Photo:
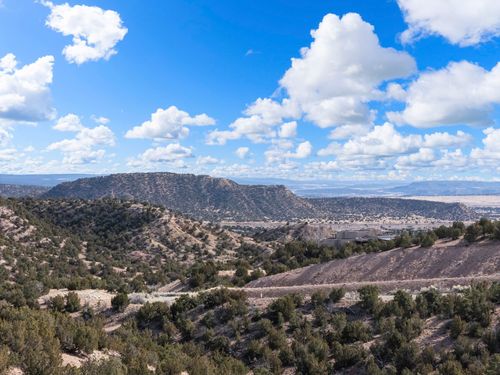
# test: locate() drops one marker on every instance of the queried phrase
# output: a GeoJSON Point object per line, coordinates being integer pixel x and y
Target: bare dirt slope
{"type": "Point", "coordinates": [454, 260]}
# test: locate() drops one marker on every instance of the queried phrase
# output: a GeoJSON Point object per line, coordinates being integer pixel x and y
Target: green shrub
{"type": "Point", "coordinates": [356, 331]}
{"type": "Point", "coordinates": [405, 304]}
{"type": "Point", "coordinates": [72, 302]}
{"type": "Point", "coordinates": [57, 303]}
{"type": "Point", "coordinates": [473, 232]}
{"type": "Point", "coordinates": [457, 327]}
{"type": "Point", "coordinates": [406, 357]}
{"type": "Point", "coordinates": [369, 296]}
{"type": "Point", "coordinates": [153, 315]}
{"type": "Point", "coordinates": [494, 365]}
{"type": "Point", "coordinates": [111, 366]}
{"type": "Point", "coordinates": [451, 367]}
{"type": "Point", "coordinates": [5, 360]}
{"type": "Point", "coordinates": [284, 307]}
{"type": "Point", "coordinates": [427, 241]}
{"type": "Point", "coordinates": [86, 339]}
{"type": "Point", "coordinates": [347, 355]}
{"type": "Point", "coordinates": [220, 344]}
{"type": "Point", "coordinates": [319, 298]}
{"type": "Point", "coordinates": [336, 294]}
{"type": "Point", "coordinates": [120, 302]}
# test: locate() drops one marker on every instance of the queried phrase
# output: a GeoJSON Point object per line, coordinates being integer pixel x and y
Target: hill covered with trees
{"type": "Point", "coordinates": [106, 244]}
{"type": "Point", "coordinates": [218, 199]}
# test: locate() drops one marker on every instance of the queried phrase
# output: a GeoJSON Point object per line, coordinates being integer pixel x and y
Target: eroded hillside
{"type": "Point", "coordinates": [446, 260]}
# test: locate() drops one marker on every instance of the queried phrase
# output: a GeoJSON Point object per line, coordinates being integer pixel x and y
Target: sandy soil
{"type": "Point", "coordinates": [79, 360]}
{"type": "Point", "coordinates": [95, 298]}
{"type": "Point", "coordinates": [434, 334]}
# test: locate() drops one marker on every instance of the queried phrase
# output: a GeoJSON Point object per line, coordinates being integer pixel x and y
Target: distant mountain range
{"type": "Point", "coordinates": [306, 188]}
{"type": "Point", "coordinates": [220, 199]}
{"type": "Point", "coordinates": [18, 191]}
{"type": "Point", "coordinates": [382, 188]}
{"type": "Point", "coordinates": [39, 179]}
{"type": "Point", "coordinates": [430, 188]}
{"type": "Point", "coordinates": [328, 188]}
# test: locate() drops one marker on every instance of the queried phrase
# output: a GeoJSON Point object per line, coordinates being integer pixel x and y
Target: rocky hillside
{"type": "Point", "coordinates": [218, 199]}
{"type": "Point", "coordinates": [109, 243]}
{"type": "Point", "coordinates": [18, 191]}
{"type": "Point", "coordinates": [306, 232]}
{"type": "Point", "coordinates": [120, 228]}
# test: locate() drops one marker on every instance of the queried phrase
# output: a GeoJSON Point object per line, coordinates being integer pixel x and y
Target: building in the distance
{"type": "Point", "coordinates": [358, 236]}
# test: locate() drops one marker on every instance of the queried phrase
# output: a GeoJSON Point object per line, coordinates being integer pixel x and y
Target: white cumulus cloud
{"type": "Point", "coordinates": [437, 140]}
{"type": "Point", "coordinates": [288, 130]}
{"type": "Point", "coordinates": [172, 154]}
{"type": "Point", "coordinates": [101, 120]}
{"type": "Point", "coordinates": [282, 150]}
{"type": "Point", "coordinates": [8, 154]}
{"type": "Point", "coordinates": [490, 153]}
{"type": "Point", "coordinates": [385, 148]}
{"type": "Point", "coordinates": [422, 158]}
{"type": "Point", "coordinates": [170, 123]}
{"type": "Point", "coordinates": [69, 123]}
{"type": "Point", "coordinates": [24, 91]}
{"type": "Point", "coordinates": [5, 136]}
{"type": "Point", "coordinates": [383, 140]}
{"type": "Point", "coordinates": [95, 31]}
{"type": "Point", "coordinates": [462, 22]}
{"type": "Point", "coordinates": [348, 131]}
{"type": "Point", "coordinates": [242, 152]}
{"type": "Point", "coordinates": [461, 93]}
{"type": "Point", "coordinates": [331, 83]}
{"type": "Point", "coordinates": [82, 148]}
{"type": "Point", "coordinates": [302, 151]}
{"type": "Point", "coordinates": [341, 70]}
{"type": "Point", "coordinates": [259, 125]}
{"type": "Point", "coordinates": [207, 160]}
{"type": "Point", "coordinates": [452, 160]}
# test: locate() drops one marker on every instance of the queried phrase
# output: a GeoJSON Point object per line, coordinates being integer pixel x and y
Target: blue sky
{"type": "Point", "coordinates": [401, 90]}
